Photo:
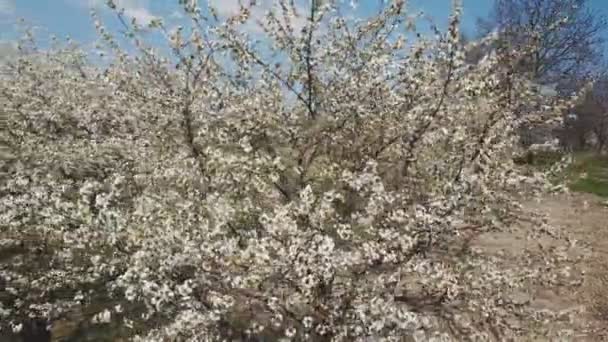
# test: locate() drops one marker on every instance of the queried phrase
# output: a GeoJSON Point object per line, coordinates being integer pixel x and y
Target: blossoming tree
{"type": "Point", "coordinates": [307, 185]}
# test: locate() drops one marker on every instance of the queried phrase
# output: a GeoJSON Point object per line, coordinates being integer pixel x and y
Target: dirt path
{"type": "Point", "coordinates": [580, 295]}
{"type": "Point", "coordinates": [586, 218]}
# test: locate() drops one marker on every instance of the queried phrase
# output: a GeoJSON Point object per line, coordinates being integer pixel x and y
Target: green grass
{"type": "Point", "coordinates": [591, 186]}
{"type": "Point", "coordinates": [589, 173]}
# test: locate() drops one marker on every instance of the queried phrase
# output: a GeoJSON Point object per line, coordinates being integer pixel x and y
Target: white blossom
{"type": "Point", "coordinates": [303, 182]}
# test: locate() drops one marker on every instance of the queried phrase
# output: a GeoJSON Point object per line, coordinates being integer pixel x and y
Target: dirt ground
{"type": "Point", "coordinates": [582, 301]}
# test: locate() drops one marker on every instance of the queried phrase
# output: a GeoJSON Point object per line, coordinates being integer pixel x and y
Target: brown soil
{"type": "Point", "coordinates": [582, 300]}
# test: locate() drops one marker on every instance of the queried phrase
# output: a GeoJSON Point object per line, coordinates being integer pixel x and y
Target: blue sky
{"type": "Point", "coordinates": [71, 17]}
{"type": "Point", "coordinates": [63, 17]}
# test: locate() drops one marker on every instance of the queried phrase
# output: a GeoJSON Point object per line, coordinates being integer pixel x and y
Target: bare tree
{"type": "Point", "coordinates": [566, 34]}
{"type": "Point", "coordinates": [591, 119]}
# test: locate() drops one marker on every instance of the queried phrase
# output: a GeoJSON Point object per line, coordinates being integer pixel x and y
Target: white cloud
{"type": "Point", "coordinates": [138, 9]}
{"type": "Point", "coordinates": [7, 7]}
{"type": "Point", "coordinates": [226, 8]}
{"type": "Point", "coordinates": [141, 14]}
{"type": "Point", "coordinates": [177, 15]}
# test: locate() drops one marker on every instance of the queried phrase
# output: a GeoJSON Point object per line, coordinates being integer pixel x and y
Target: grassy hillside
{"type": "Point", "coordinates": [589, 173]}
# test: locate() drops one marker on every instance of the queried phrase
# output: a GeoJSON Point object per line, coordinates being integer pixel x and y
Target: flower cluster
{"type": "Point", "coordinates": [306, 187]}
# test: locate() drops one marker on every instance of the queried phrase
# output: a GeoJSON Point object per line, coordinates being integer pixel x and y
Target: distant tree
{"type": "Point", "coordinates": [474, 49]}
{"type": "Point", "coordinates": [590, 121]}
{"type": "Point", "coordinates": [321, 196]}
{"type": "Point", "coordinates": [566, 35]}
